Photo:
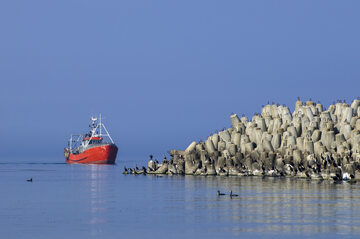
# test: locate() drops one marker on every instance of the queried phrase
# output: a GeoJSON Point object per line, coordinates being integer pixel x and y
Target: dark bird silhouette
{"type": "Point", "coordinates": [219, 193]}
{"type": "Point", "coordinates": [29, 180]}
{"type": "Point", "coordinates": [337, 177]}
{"type": "Point", "coordinates": [125, 170]}
{"type": "Point", "coordinates": [232, 194]}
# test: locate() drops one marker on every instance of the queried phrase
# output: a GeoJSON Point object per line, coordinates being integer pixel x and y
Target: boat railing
{"type": "Point", "coordinates": [75, 141]}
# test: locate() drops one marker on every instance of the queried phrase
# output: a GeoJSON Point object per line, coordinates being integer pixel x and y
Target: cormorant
{"type": "Point", "coordinates": [232, 194]}
{"type": "Point", "coordinates": [125, 170]}
{"type": "Point", "coordinates": [219, 193]}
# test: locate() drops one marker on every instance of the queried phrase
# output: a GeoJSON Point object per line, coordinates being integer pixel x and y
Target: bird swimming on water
{"type": "Point", "coordinates": [232, 194]}
{"type": "Point", "coordinates": [219, 193]}
{"type": "Point", "coordinates": [29, 180]}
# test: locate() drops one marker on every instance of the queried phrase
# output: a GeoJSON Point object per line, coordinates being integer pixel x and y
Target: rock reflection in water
{"type": "Point", "coordinates": [279, 205]}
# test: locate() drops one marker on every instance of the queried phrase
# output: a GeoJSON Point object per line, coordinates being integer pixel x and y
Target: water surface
{"type": "Point", "coordinates": [92, 201]}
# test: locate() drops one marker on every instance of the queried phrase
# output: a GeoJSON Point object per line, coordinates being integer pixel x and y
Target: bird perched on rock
{"type": "Point", "coordinates": [336, 174]}
{"type": "Point", "coordinates": [125, 170]}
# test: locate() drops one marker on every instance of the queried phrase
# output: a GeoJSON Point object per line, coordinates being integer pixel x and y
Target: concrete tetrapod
{"type": "Point", "coordinates": [312, 142]}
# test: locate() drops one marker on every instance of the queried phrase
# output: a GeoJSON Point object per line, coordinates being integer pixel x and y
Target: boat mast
{"type": "Point", "coordinates": [70, 143]}
{"type": "Point", "coordinates": [107, 134]}
{"type": "Point", "coordinates": [100, 124]}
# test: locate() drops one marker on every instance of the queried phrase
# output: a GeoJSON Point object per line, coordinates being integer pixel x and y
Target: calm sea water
{"type": "Point", "coordinates": [91, 201]}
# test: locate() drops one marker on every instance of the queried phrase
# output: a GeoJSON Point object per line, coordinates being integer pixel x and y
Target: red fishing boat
{"type": "Point", "coordinates": [92, 148]}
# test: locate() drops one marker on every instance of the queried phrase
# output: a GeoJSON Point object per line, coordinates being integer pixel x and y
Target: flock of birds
{"type": "Point", "coordinates": [135, 170]}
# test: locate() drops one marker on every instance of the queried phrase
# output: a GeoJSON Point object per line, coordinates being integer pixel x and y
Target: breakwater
{"type": "Point", "coordinates": [311, 142]}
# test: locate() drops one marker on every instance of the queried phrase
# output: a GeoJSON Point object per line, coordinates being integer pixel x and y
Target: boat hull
{"type": "Point", "coordinates": [104, 154]}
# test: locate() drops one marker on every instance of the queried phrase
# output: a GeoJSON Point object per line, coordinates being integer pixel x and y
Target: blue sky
{"type": "Point", "coordinates": [164, 73]}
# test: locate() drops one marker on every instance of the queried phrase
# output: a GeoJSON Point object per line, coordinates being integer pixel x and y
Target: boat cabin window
{"type": "Point", "coordinates": [95, 141]}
